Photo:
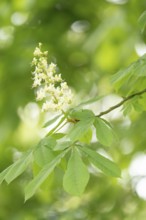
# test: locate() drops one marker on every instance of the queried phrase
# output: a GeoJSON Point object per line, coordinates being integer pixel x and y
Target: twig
{"type": "Point", "coordinates": [121, 103]}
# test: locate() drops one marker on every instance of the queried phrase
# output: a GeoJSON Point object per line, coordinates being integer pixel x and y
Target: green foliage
{"type": "Point", "coordinates": [104, 132]}
{"type": "Point", "coordinates": [130, 79]}
{"type": "Point", "coordinates": [86, 119]}
{"type": "Point", "coordinates": [51, 121]}
{"type": "Point", "coordinates": [43, 174]}
{"type": "Point", "coordinates": [81, 114]}
{"type": "Point", "coordinates": [62, 145]}
{"type": "Point", "coordinates": [54, 146]}
{"type": "Point", "coordinates": [87, 137]}
{"type": "Point", "coordinates": [107, 166]}
{"type": "Point", "coordinates": [89, 44]}
{"type": "Point", "coordinates": [76, 176]}
{"type": "Point", "coordinates": [43, 155]}
{"type": "Point", "coordinates": [133, 104]}
{"type": "Point", "coordinates": [46, 155]}
{"type": "Point", "coordinates": [17, 168]}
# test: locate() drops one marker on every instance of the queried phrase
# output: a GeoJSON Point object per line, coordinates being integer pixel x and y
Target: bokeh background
{"type": "Point", "coordinates": [90, 41]}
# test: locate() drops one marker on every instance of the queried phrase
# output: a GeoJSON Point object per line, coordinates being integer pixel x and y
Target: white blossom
{"type": "Point", "coordinates": [41, 94]}
{"type": "Point", "coordinates": [49, 84]}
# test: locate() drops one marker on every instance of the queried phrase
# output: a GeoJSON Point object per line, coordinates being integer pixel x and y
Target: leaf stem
{"type": "Point", "coordinates": [121, 103]}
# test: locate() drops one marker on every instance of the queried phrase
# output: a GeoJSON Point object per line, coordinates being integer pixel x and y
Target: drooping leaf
{"type": "Point", "coordinates": [18, 167]}
{"type": "Point", "coordinates": [32, 187]}
{"type": "Point", "coordinates": [80, 128]}
{"type": "Point", "coordinates": [76, 176]}
{"type": "Point", "coordinates": [104, 132]}
{"type": "Point", "coordinates": [107, 166]}
{"type": "Point", "coordinates": [51, 121]}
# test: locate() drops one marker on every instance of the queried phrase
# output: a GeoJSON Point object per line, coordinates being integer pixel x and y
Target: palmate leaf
{"type": "Point", "coordinates": [13, 171]}
{"type": "Point", "coordinates": [32, 187]}
{"type": "Point", "coordinates": [107, 166]}
{"type": "Point", "coordinates": [104, 132]}
{"type": "Point", "coordinates": [76, 176]}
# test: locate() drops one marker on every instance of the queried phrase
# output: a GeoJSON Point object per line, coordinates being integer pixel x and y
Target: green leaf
{"type": "Point", "coordinates": [57, 126]}
{"type": "Point", "coordinates": [62, 145]}
{"type": "Point", "coordinates": [80, 128]}
{"type": "Point", "coordinates": [131, 104]}
{"type": "Point", "coordinates": [57, 136]}
{"type": "Point", "coordinates": [32, 187]}
{"type": "Point", "coordinates": [142, 21]}
{"type": "Point", "coordinates": [3, 174]}
{"type": "Point", "coordinates": [104, 132]}
{"type": "Point", "coordinates": [86, 138]}
{"type": "Point", "coordinates": [76, 176]}
{"type": "Point", "coordinates": [51, 121]}
{"type": "Point", "coordinates": [130, 79]}
{"type": "Point", "coordinates": [81, 114]}
{"type": "Point", "coordinates": [107, 166]}
{"type": "Point", "coordinates": [122, 76]}
{"type": "Point", "coordinates": [43, 155]}
{"type": "Point", "coordinates": [48, 141]}
{"type": "Point", "coordinates": [18, 167]}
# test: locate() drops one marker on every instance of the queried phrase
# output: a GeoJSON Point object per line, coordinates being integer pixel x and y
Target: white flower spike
{"type": "Point", "coordinates": [51, 88]}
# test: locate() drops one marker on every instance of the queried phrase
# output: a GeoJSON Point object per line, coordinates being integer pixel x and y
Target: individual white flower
{"type": "Point", "coordinates": [45, 106]}
{"type": "Point", "coordinates": [52, 68]}
{"type": "Point", "coordinates": [37, 52]}
{"type": "Point", "coordinates": [37, 82]}
{"type": "Point", "coordinates": [34, 62]}
{"type": "Point", "coordinates": [57, 78]}
{"type": "Point", "coordinates": [41, 94]}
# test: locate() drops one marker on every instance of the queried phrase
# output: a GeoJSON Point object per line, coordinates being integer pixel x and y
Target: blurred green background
{"type": "Point", "coordinates": [90, 40]}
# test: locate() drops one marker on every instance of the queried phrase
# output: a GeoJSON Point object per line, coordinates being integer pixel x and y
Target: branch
{"type": "Point", "coordinates": [121, 103]}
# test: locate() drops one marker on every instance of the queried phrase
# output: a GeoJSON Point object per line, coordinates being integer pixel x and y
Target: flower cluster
{"type": "Point", "coordinates": [49, 84]}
